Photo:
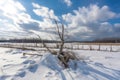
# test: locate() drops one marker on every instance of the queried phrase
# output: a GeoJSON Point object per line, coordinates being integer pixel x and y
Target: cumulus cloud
{"type": "Point", "coordinates": [43, 11]}
{"type": "Point", "coordinates": [19, 22]}
{"type": "Point", "coordinates": [93, 13]}
{"type": "Point", "coordinates": [6, 26]}
{"type": "Point", "coordinates": [14, 18]}
{"type": "Point", "coordinates": [11, 7]}
{"type": "Point", "coordinates": [8, 11]}
{"type": "Point", "coordinates": [117, 27]}
{"type": "Point", "coordinates": [46, 14]}
{"type": "Point", "coordinates": [91, 22]}
{"type": "Point", "coordinates": [68, 2]}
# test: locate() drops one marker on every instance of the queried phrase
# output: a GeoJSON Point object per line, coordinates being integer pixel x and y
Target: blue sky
{"type": "Point", "coordinates": [85, 19]}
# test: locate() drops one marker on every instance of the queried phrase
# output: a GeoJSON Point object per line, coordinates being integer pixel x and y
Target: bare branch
{"type": "Point", "coordinates": [62, 32]}
{"type": "Point", "coordinates": [51, 51]}
{"type": "Point", "coordinates": [58, 31]}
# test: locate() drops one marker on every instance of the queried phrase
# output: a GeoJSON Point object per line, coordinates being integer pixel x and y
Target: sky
{"type": "Point", "coordinates": [83, 19]}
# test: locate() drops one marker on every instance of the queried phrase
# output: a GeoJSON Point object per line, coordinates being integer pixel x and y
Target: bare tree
{"type": "Point", "coordinates": [63, 56]}
{"type": "Point", "coordinates": [61, 36]}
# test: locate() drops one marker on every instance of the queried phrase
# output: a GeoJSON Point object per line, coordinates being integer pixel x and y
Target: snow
{"type": "Point", "coordinates": [93, 65]}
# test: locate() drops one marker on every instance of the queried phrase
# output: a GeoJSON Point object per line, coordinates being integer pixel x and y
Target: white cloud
{"type": "Point", "coordinates": [105, 27]}
{"type": "Point", "coordinates": [14, 18]}
{"type": "Point", "coordinates": [36, 5]}
{"type": "Point", "coordinates": [6, 26]}
{"type": "Point", "coordinates": [117, 28]}
{"type": "Point", "coordinates": [11, 7]}
{"type": "Point", "coordinates": [93, 13]}
{"type": "Point", "coordinates": [90, 21]}
{"type": "Point", "coordinates": [43, 11]}
{"type": "Point", "coordinates": [8, 11]}
{"type": "Point", "coordinates": [46, 14]}
{"type": "Point", "coordinates": [117, 25]}
{"type": "Point", "coordinates": [68, 2]}
{"type": "Point", "coordinates": [15, 13]}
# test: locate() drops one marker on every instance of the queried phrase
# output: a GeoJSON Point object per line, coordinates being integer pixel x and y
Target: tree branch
{"type": "Point", "coordinates": [51, 51]}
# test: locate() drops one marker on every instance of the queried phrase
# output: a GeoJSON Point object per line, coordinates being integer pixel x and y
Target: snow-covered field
{"type": "Point", "coordinates": [94, 65]}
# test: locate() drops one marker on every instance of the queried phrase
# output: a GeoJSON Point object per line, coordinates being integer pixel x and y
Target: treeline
{"type": "Point", "coordinates": [27, 41]}
{"type": "Point", "coordinates": [36, 40]}
{"type": "Point", "coordinates": [107, 40]}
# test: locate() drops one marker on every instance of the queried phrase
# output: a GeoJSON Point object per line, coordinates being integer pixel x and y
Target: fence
{"type": "Point", "coordinates": [73, 46]}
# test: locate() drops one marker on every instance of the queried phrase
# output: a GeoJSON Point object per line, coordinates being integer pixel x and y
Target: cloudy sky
{"type": "Point", "coordinates": [83, 19]}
